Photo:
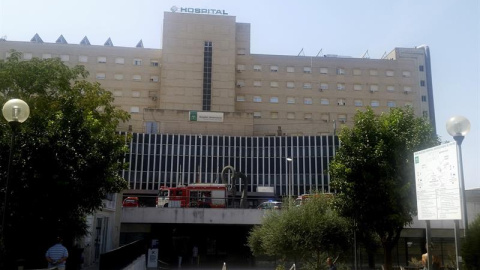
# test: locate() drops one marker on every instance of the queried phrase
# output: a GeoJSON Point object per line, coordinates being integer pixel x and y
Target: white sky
{"type": "Point", "coordinates": [345, 27]}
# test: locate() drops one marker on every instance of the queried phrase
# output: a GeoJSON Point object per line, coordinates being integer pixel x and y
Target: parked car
{"type": "Point", "coordinates": [270, 205]}
{"type": "Point", "coordinates": [130, 202]}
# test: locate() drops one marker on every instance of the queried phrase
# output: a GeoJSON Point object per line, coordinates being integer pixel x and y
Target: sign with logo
{"type": "Point", "coordinates": [206, 116]}
{"type": "Point", "coordinates": [198, 10]}
{"type": "Point", "coordinates": [437, 183]}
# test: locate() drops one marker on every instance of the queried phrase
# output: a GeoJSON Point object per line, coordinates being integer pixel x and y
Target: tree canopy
{"type": "Point", "coordinates": [373, 172]}
{"type": "Point", "coordinates": [305, 233]}
{"type": "Point", "coordinates": [66, 156]}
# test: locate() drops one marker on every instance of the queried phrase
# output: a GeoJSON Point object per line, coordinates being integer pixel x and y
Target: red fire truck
{"type": "Point", "coordinates": [193, 195]}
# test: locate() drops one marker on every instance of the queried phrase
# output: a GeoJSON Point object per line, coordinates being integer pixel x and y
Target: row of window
{"type": "Point", "coordinates": [325, 86]}
{"type": "Point", "coordinates": [323, 101]}
{"type": "Point", "coordinates": [325, 70]}
{"type": "Point", "coordinates": [119, 77]}
{"type": "Point", "coordinates": [85, 59]}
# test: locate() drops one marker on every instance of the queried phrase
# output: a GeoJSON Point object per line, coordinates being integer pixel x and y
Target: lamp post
{"type": "Point", "coordinates": [458, 127]}
{"type": "Point", "coordinates": [15, 111]}
{"type": "Point", "coordinates": [290, 177]}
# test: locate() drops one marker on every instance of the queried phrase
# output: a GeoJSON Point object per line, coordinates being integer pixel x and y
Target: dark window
{"type": "Point", "coordinates": [422, 83]}
{"type": "Point", "coordinates": [424, 98]}
{"type": "Point", "coordinates": [207, 76]}
{"type": "Point", "coordinates": [420, 68]}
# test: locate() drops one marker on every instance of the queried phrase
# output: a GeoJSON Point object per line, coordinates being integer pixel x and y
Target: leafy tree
{"type": "Point", "coordinates": [305, 233]}
{"type": "Point", "coordinates": [471, 246]}
{"type": "Point", "coordinates": [66, 157]}
{"type": "Point", "coordinates": [373, 172]}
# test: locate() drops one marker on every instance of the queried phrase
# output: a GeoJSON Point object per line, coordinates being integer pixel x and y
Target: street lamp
{"type": "Point", "coordinates": [458, 127]}
{"type": "Point", "coordinates": [15, 111]}
{"type": "Point", "coordinates": [290, 177]}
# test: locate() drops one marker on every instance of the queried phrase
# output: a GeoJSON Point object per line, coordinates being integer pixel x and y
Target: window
{"type": "Point", "coordinates": [323, 86]}
{"type": "Point", "coordinates": [83, 59]}
{"type": "Point", "coordinates": [374, 103]}
{"type": "Point", "coordinates": [27, 56]}
{"type": "Point", "coordinates": [257, 115]}
{"type": "Point", "coordinates": [46, 56]}
{"type": "Point", "coordinates": [65, 57]}
{"type": "Point", "coordinates": [137, 62]}
{"type": "Point", "coordinates": [274, 68]}
{"type": "Point", "coordinates": [154, 63]}
{"type": "Point", "coordinates": [390, 73]}
{"type": "Point", "coordinates": [154, 78]}
{"type": "Point", "coordinates": [100, 76]}
{"type": "Point", "coordinates": [373, 88]}
{"type": "Point", "coordinates": [102, 59]}
{"type": "Point", "coordinates": [420, 68]}
{"type": "Point", "coordinates": [290, 69]}
{"type": "Point", "coordinates": [358, 103]}
{"type": "Point", "coordinates": [406, 74]}
{"type": "Point", "coordinates": [357, 87]}
{"type": "Point", "coordinates": [120, 60]}
{"type": "Point", "coordinates": [137, 78]}
{"type": "Point", "coordinates": [323, 70]}
{"type": "Point", "coordinates": [391, 104]}
{"type": "Point", "coordinates": [308, 101]}
{"type": "Point", "coordinates": [307, 86]}
{"type": "Point", "coordinates": [257, 67]}
{"type": "Point", "coordinates": [290, 85]}
{"type": "Point", "coordinates": [257, 83]}
{"type": "Point", "coordinates": [136, 94]}
{"type": "Point", "coordinates": [307, 70]}
{"type": "Point", "coordinates": [390, 88]}
{"type": "Point", "coordinates": [241, 51]}
{"type": "Point", "coordinates": [324, 101]}
{"type": "Point", "coordinates": [422, 82]}
{"type": "Point", "coordinates": [274, 115]}
{"type": "Point", "coordinates": [425, 114]}
{"type": "Point", "coordinates": [274, 100]}
{"type": "Point", "coordinates": [290, 115]}
{"type": "Point", "coordinates": [290, 100]}
{"type": "Point", "coordinates": [134, 109]}
{"type": "Point", "coordinates": [340, 71]}
{"type": "Point", "coordinates": [273, 84]}
{"type": "Point", "coordinates": [240, 83]}
{"type": "Point", "coordinates": [341, 102]}
{"type": "Point", "coordinates": [357, 72]}
{"type": "Point", "coordinates": [240, 98]}
{"type": "Point", "coordinates": [373, 72]}
{"type": "Point", "coordinates": [407, 89]}
{"type": "Point", "coordinates": [240, 68]}
{"type": "Point", "coordinates": [342, 118]}
{"type": "Point", "coordinates": [117, 93]}
{"type": "Point", "coordinates": [307, 116]}
{"type": "Point", "coordinates": [340, 86]}
{"type": "Point", "coordinates": [151, 127]}
{"type": "Point", "coordinates": [257, 99]}
{"type": "Point", "coordinates": [424, 98]}
{"type": "Point", "coordinates": [118, 76]}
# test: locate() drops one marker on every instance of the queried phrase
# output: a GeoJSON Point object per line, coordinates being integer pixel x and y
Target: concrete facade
{"type": "Point", "coordinates": [256, 95]}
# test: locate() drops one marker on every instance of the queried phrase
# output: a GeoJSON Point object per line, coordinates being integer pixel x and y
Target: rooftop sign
{"type": "Point", "coordinates": [198, 10]}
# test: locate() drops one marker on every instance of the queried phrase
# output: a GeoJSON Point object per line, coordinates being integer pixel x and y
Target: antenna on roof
{"type": "Point", "coordinates": [366, 55]}
{"type": "Point", "coordinates": [301, 53]}
{"type": "Point", "coordinates": [384, 55]}
{"type": "Point", "coordinates": [319, 52]}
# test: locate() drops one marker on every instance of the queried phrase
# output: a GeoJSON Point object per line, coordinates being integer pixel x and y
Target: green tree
{"type": "Point", "coordinates": [471, 246]}
{"type": "Point", "coordinates": [66, 158]}
{"type": "Point", "coordinates": [373, 172]}
{"type": "Point", "coordinates": [305, 234]}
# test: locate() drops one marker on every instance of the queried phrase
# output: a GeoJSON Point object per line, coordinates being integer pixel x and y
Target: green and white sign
{"type": "Point", "coordinates": [206, 116]}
